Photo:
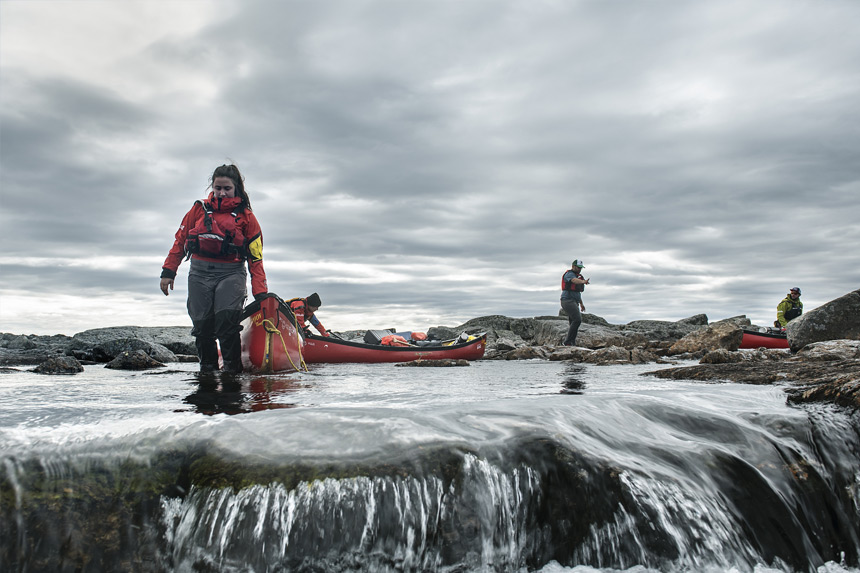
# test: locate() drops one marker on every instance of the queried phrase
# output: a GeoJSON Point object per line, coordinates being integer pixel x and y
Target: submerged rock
{"type": "Point", "coordinates": [136, 360]}
{"type": "Point", "coordinates": [824, 371]}
{"type": "Point", "coordinates": [436, 363]}
{"type": "Point", "coordinates": [59, 365]}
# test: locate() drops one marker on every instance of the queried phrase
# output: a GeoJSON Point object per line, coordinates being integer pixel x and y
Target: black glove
{"type": "Point", "coordinates": [261, 296]}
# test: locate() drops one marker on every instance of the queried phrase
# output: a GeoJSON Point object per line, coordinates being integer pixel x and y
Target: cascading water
{"type": "Point", "coordinates": [499, 466]}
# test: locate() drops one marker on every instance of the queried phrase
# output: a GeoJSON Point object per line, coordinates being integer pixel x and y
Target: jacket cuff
{"type": "Point", "coordinates": [168, 274]}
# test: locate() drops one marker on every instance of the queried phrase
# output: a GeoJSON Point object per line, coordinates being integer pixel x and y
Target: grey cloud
{"type": "Point", "coordinates": [510, 137]}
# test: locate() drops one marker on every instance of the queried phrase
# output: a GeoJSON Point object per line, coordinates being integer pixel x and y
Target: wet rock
{"type": "Point", "coordinates": [167, 337]}
{"type": "Point", "coordinates": [526, 353]}
{"type": "Point", "coordinates": [30, 349]}
{"type": "Point", "coordinates": [570, 353]}
{"type": "Point", "coordinates": [436, 363]}
{"type": "Point", "coordinates": [843, 391]}
{"type": "Point", "coordinates": [133, 360]}
{"type": "Point", "coordinates": [831, 350]}
{"type": "Point", "coordinates": [723, 334]}
{"type": "Point", "coordinates": [807, 378]}
{"type": "Point", "coordinates": [642, 356]}
{"type": "Point", "coordinates": [721, 356]}
{"type": "Point", "coordinates": [620, 355]}
{"type": "Point", "coordinates": [59, 365]}
{"type": "Point", "coordinates": [27, 357]}
{"type": "Point", "coordinates": [109, 350]}
{"type": "Point", "coordinates": [609, 355]}
{"type": "Point", "coordinates": [837, 319]}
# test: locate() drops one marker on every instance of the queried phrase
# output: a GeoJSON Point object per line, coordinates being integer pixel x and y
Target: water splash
{"type": "Point", "coordinates": [402, 523]}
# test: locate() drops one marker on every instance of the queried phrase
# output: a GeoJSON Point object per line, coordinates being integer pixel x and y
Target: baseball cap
{"type": "Point", "coordinates": [795, 289]}
{"type": "Point", "coordinates": [578, 263]}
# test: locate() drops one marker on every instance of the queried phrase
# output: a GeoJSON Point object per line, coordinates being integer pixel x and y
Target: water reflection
{"type": "Point", "coordinates": [573, 379]}
{"type": "Point", "coordinates": [221, 393]}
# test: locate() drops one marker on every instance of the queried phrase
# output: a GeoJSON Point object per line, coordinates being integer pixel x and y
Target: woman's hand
{"type": "Point", "coordinates": [165, 283]}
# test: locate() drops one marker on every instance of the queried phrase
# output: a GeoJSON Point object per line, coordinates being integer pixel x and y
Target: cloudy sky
{"type": "Point", "coordinates": [421, 163]}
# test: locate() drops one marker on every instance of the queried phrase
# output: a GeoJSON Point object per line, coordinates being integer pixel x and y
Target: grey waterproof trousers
{"type": "Point", "coordinates": [574, 318]}
{"type": "Point", "coordinates": [216, 295]}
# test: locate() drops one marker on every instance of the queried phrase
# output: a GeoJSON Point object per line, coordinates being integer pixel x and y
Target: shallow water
{"type": "Point", "coordinates": [521, 465]}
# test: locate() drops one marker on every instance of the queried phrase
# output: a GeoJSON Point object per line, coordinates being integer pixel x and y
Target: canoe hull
{"type": "Point", "coordinates": [270, 341]}
{"type": "Point", "coordinates": [764, 340]}
{"type": "Point", "coordinates": [320, 349]}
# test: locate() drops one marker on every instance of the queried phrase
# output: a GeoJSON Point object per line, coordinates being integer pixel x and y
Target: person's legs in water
{"type": "Point", "coordinates": [229, 300]}
{"type": "Point", "coordinates": [227, 330]}
{"type": "Point", "coordinates": [201, 293]}
{"type": "Point", "coordinates": [207, 348]}
{"type": "Point", "coordinates": [574, 318]}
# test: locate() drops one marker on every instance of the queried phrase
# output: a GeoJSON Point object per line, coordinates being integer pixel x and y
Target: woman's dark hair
{"type": "Point", "coordinates": [232, 173]}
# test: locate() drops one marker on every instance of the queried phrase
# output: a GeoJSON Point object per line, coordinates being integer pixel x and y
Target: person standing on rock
{"type": "Point", "coordinates": [789, 308]}
{"type": "Point", "coordinates": [572, 285]}
{"type": "Point", "coordinates": [220, 234]}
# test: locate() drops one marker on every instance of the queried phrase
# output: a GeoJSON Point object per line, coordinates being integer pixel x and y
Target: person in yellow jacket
{"type": "Point", "coordinates": [789, 308]}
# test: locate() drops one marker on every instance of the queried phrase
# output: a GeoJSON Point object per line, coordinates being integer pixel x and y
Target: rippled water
{"type": "Point", "coordinates": [521, 465]}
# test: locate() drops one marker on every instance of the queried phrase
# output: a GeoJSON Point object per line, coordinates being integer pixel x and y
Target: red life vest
{"type": "Point", "coordinates": [568, 285]}
{"type": "Point", "coordinates": [218, 234]}
{"type": "Point", "coordinates": [298, 306]}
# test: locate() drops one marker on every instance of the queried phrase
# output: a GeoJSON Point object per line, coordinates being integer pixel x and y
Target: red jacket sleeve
{"type": "Point", "coordinates": [177, 251]}
{"type": "Point", "coordinates": [254, 250]}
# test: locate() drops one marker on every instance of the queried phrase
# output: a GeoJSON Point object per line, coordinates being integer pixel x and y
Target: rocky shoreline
{"type": "Point", "coordinates": [823, 363]}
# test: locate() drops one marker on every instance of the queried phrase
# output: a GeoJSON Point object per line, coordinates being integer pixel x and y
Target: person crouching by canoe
{"type": "Point", "coordinates": [572, 285]}
{"type": "Point", "coordinates": [789, 308]}
{"type": "Point", "coordinates": [304, 309]}
{"type": "Point", "coordinates": [220, 234]}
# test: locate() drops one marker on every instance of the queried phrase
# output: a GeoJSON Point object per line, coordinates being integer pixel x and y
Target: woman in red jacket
{"type": "Point", "coordinates": [220, 235]}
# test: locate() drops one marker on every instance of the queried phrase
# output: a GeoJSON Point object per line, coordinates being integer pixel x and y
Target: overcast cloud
{"type": "Point", "coordinates": [425, 162]}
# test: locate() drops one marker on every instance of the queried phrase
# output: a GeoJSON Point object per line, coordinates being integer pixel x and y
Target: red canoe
{"type": "Point", "coordinates": [753, 339]}
{"type": "Point", "coordinates": [320, 349]}
{"type": "Point", "coordinates": [270, 340]}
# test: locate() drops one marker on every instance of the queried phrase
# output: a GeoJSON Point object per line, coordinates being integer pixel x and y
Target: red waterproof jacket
{"type": "Point", "coordinates": [230, 217]}
{"type": "Point", "coordinates": [303, 313]}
